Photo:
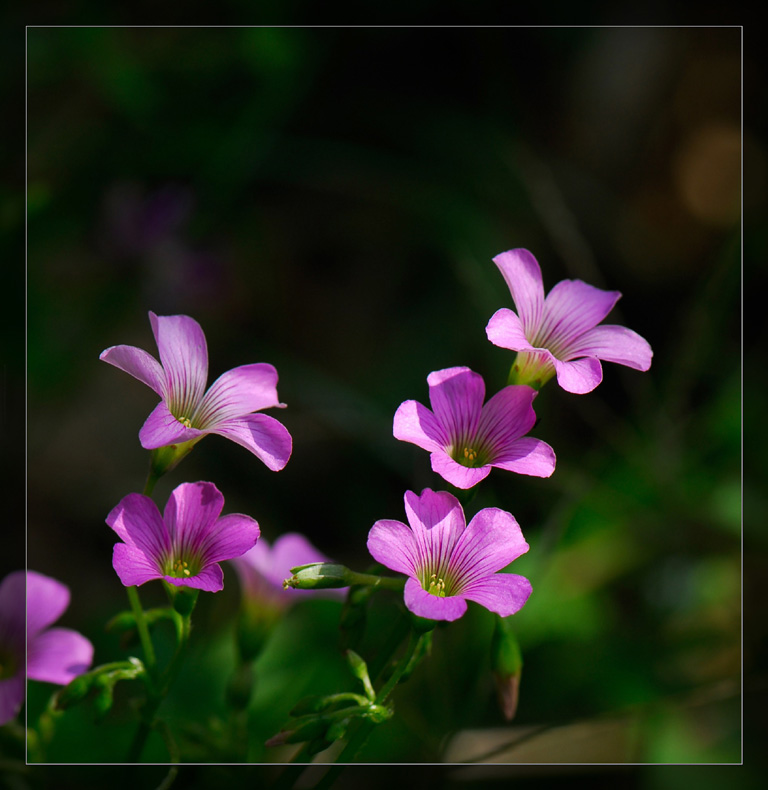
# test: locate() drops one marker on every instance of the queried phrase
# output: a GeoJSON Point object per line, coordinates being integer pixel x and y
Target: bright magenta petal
{"type": "Point", "coordinates": [454, 473]}
{"type": "Point", "coordinates": [161, 428]}
{"type": "Point", "coordinates": [58, 655]}
{"type": "Point", "coordinates": [46, 601]}
{"type": "Point", "coordinates": [506, 331]}
{"type": "Point", "coordinates": [522, 274]}
{"type": "Point", "coordinates": [392, 544]}
{"type": "Point", "coordinates": [433, 607]}
{"type": "Point", "coordinates": [490, 542]}
{"type": "Point", "coordinates": [138, 522]}
{"type": "Point", "coordinates": [506, 417]}
{"type": "Point", "coordinates": [184, 356]}
{"type": "Point", "coordinates": [415, 423]}
{"type": "Point", "coordinates": [230, 537]}
{"type": "Point", "coordinates": [571, 308]}
{"type": "Point", "coordinates": [614, 344]}
{"type": "Point", "coordinates": [209, 579]}
{"type": "Point", "coordinates": [190, 516]}
{"type": "Point", "coordinates": [132, 566]}
{"type": "Point", "coordinates": [456, 396]}
{"type": "Point", "coordinates": [264, 436]}
{"type": "Point", "coordinates": [238, 392]}
{"type": "Point", "coordinates": [137, 363]}
{"type": "Point", "coordinates": [580, 375]}
{"type": "Point", "coordinates": [502, 593]}
{"type": "Point", "coordinates": [437, 521]}
{"type": "Point", "coordinates": [528, 456]}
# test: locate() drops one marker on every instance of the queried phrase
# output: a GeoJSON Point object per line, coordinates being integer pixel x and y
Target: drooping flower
{"type": "Point", "coordinates": [559, 335]}
{"type": "Point", "coordinates": [450, 562]}
{"type": "Point", "coordinates": [465, 438]}
{"type": "Point", "coordinates": [187, 412]}
{"type": "Point", "coordinates": [263, 569]}
{"type": "Point", "coordinates": [185, 544]}
{"type": "Point", "coordinates": [54, 655]}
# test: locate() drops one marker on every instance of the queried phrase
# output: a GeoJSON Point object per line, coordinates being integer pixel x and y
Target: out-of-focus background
{"type": "Point", "coordinates": [329, 201]}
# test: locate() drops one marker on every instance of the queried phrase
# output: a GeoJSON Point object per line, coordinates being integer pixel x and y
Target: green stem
{"type": "Point", "coordinates": [363, 731]}
{"type": "Point", "coordinates": [386, 582]}
{"type": "Point", "coordinates": [141, 624]}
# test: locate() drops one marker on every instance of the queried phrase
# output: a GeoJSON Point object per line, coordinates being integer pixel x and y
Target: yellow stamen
{"type": "Point", "coordinates": [436, 586]}
{"type": "Point", "coordinates": [185, 421]}
{"type": "Point", "coordinates": [470, 454]}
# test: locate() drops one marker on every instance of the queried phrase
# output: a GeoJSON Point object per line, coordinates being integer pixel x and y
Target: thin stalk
{"type": "Point", "coordinates": [141, 624]}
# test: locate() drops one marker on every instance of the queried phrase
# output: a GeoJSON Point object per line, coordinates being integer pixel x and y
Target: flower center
{"type": "Point", "coordinates": [185, 421]}
{"type": "Point", "coordinates": [469, 456]}
{"type": "Point", "coordinates": [436, 586]}
{"type": "Point", "coordinates": [181, 568]}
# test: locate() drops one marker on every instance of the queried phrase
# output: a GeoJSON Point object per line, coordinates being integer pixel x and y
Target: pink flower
{"type": "Point", "coordinates": [263, 569]}
{"type": "Point", "coordinates": [465, 437]}
{"type": "Point", "coordinates": [450, 562]}
{"type": "Point", "coordinates": [187, 412]}
{"type": "Point", "coordinates": [559, 335]}
{"type": "Point", "coordinates": [54, 655]}
{"type": "Point", "coordinates": [185, 544]}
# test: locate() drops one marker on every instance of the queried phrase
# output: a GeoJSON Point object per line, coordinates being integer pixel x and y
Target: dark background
{"type": "Point", "coordinates": [329, 200]}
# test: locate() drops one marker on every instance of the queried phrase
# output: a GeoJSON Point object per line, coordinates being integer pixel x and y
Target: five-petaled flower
{"type": "Point", "coordinates": [559, 334]}
{"type": "Point", "coordinates": [185, 544]}
{"type": "Point", "coordinates": [449, 562]}
{"type": "Point", "coordinates": [263, 568]}
{"type": "Point", "coordinates": [54, 655]}
{"type": "Point", "coordinates": [465, 438]}
{"type": "Point", "coordinates": [187, 412]}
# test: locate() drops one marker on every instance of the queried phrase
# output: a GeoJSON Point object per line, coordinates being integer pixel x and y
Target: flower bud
{"type": "Point", "coordinates": [76, 691]}
{"type": "Point", "coordinates": [507, 666]}
{"type": "Point", "coordinates": [319, 576]}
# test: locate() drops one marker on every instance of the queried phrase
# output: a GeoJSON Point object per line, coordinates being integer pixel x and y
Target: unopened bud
{"type": "Point", "coordinates": [507, 666]}
{"type": "Point", "coordinates": [319, 576]}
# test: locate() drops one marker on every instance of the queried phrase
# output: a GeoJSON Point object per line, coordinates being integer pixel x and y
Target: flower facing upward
{"type": "Point", "coordinates": [559, 335]}
{"type": "Point", "coordinates": [184, 545]}
{"type": "Point", "coordinates": [466, 438]}
{"type": "Point", "coordinates": [54, 655]}
{"type": "Point", "coordinates": [262, 569]}
{"type": "Point", "coordinates": [450, 562]}
{"type": "Point", "coordinates": [187, 411]}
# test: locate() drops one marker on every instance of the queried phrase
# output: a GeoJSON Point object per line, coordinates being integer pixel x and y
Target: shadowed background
{"type": "Point", "coordinates": [329, 201]}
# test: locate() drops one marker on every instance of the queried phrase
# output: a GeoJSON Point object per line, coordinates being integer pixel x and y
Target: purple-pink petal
{"type": "Point", "coordinates": [392, 544]}
{"type": "Point", "coordinates": [263, 435]}
{"type": "Point", "coordinates": [490, 542]}
{"type": "Point", "coordinates": [133, 567]}
{"type": "Point", "coordinates": [239, 391]}
{"type": "Point", "coordinates": [161, 428]}
{"type": "Point", "coordinates": [527, 456]}
{"type": "Point", "coordinates": [502, 593]}
{"type": "Point", "coordinates": [579, 375]}
{"type": "Point", "coordinates": [58, 655]}
{"type": "Point", "coordinates": [437, 521]}
{"type": "Point", "coordinates": [46, 600]}
{"type": "Point", "coordinates": [433, 607]}
{"type": "Point", "coordinates": [615, 344]}
{"type": "Point", "coordinates": [506, 417]}
{"type": "Point", "coordinates": [506, 331]}
{"type": "Point", "coordinates": [210, 579]}
{"type": "Point", "coordinates": [230, 536]}
{"type": "Point", "coordinates": [455, 473]}
{"type": "Point", "coordinates": [12, 617]}
{"type": "Point", "coordinates": [522, 274]}
{"type": "Point", "coordinates": [571, 308]}
{"type": "Point", "coordinates": [137, 363]}
{"type": "Point", "coordinates": [137, 522]}
{"type": "Point", "coordinates": [184, 356]}
{"type": "Point", "coordinates": [190, 516]}
{"type": "Point", "coordinates": [457, 395]}
{"type": "Point", "coordinates": [415, 423]}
